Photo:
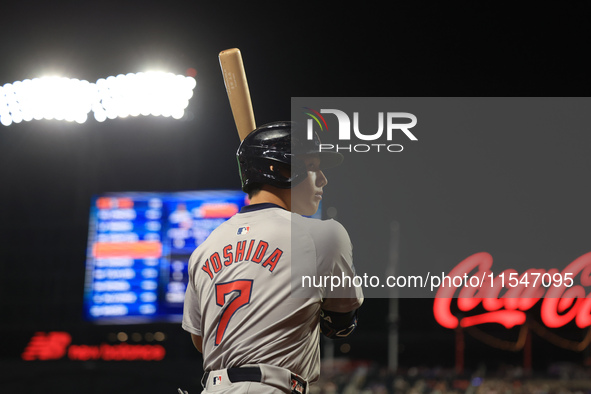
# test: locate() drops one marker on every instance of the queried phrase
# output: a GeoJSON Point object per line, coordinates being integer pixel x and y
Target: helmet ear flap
{"type": "Point", "coordinates": [265, 156]}
{"type": "Point", "coordinates": [278, 173]}
{"type": "Point", "coordinates": [257, 171]}
{"type": "Point", "coordinates": [298, 172]}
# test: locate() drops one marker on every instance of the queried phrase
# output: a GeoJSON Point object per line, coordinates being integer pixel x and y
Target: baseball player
{"type": "Point", "coordinates": [255, 335]}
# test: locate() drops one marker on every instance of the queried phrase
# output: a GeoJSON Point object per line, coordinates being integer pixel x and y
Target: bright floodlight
{"type": "Point", "coordinates": [150, 93]}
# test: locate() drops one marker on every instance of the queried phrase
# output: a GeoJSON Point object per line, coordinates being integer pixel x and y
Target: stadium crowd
{"type": "Point", "coordinates": [351, 377]}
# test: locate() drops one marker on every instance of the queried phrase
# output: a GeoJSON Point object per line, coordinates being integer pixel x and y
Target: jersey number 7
{"type": "Point", "coordinates": [243, 289]}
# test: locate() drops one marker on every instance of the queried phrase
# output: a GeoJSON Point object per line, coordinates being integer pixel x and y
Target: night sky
{"type": "Point", "coordinates": [50, 170]}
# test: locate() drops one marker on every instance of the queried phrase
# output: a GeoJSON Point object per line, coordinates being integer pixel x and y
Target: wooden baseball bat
{"type": "Point", "coordinates": [237, 89]}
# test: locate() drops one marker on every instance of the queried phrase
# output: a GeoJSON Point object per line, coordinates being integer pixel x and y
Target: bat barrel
{"type": "Point", "coordinates": [237, 89]}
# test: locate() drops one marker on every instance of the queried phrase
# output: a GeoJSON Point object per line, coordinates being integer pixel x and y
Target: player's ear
{"type": "Point", "coordinates": [281, 169]}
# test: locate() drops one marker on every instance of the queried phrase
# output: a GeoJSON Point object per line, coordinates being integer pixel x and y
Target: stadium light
{"type": "Point", "coordinates": [152, 93]}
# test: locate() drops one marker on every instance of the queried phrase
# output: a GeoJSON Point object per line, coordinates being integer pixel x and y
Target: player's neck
{"type": "Point", "coordinates": [280, 197]}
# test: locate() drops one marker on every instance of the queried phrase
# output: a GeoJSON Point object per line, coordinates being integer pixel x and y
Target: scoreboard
{"type": "Point", "coordinates": [139, 244]}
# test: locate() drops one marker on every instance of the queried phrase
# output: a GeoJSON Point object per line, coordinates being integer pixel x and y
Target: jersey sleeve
{"type": "Point", "coordinates": [335, 253]}
{"type": "Point", "coordinates": [191, 308]}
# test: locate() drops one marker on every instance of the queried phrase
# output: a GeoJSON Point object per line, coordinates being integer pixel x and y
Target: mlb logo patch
{"type": "Point", "coordinates": [243, 230]}
{"type": "Point", "coordinates": [297, 387]}
{"type": "Point", "coordinates": [217, 380]}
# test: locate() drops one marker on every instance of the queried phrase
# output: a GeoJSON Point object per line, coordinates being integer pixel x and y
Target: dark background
{"type": "Point", "coordinates": [49, 170]}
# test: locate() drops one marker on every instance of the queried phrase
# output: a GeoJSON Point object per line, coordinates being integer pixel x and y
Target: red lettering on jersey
{"type": "Point", "coordinates": [272, 260]}
{"type": "Point", "coordinates": [216, 262]}
{"type": "Point", "coordinates": [207, 269]}
{"type": "Point", "coordinates": [240, 250]}
{"type": "Point", "coordinates": [256, 254]}
{"type": "Point", "coordinates": [260, 252]}
{"type": "Point", "coordinates": [249, 249]}
{"type": "Point", "coordinates": [228, 255]}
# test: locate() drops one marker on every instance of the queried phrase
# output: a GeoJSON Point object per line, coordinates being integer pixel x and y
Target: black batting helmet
{"type": "Point", "coordinates": [278, 142]}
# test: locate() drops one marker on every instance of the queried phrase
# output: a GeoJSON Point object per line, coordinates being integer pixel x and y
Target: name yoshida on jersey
{"type": "Point", "coordinates": [252, 251]}
{"type": "Point", "coordinates": [241, 297]}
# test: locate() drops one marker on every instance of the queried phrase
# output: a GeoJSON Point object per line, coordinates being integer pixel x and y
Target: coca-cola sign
{"type": "Point", "coordinates": [507, 296]}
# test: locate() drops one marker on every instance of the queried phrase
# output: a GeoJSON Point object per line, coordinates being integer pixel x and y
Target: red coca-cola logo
{"type": "Point", "coordinates": [507, 296]}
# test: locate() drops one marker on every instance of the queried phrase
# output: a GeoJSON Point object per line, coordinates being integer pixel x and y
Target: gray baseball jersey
{"type": "Point", "coordinates": [239, 294]}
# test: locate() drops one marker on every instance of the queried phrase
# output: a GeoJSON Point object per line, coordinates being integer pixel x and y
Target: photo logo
{"type": "Point", "coordinates": [390, 124]}
{"type": "Point", "coordinates": [315, 116]}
